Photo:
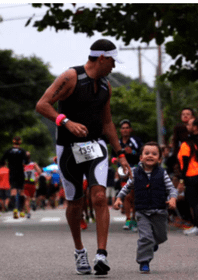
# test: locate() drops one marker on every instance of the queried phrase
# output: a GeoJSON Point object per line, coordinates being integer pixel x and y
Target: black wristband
{"type": "Point", "coordinates": [121, 152]}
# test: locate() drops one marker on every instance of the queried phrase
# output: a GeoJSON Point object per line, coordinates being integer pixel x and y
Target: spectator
{"type": "Point", "coordinates": [16, 158]}
{"type": "Point", "coordinates": [151, 184]}
{"type": "Point", "coordinates": [131, 145]}
{"type": "Point", "coordinates": [188, 159]}
{"type": "Point", "coordinates": [4, 187]}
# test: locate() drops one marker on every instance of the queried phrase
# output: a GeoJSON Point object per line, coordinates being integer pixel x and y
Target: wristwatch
{"type": "Point", "coordinates": [65, 121]}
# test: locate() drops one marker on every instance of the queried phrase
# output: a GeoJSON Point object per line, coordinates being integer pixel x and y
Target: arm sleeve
{"type": "Point", "coordinates": [170, 189]}
{"type": "Point", "coordinates": [185, 160]}
{"type": "Point", "coordinates": [127, 188]}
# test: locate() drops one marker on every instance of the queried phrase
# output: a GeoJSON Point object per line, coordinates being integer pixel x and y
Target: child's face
{"type": "Point", "coordinates": [150, 156]}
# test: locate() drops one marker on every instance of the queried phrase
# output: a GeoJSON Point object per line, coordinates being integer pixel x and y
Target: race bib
{"type": "Point", "coordinates": [85, 151]}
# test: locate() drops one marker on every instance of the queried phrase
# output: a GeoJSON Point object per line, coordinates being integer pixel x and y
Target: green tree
{"type": "Point", "coordinates": [22, 82]}
{"type": "Point", "coordinates": [143, 22]}
{"type": "Point", "coordinates": [137, 104]}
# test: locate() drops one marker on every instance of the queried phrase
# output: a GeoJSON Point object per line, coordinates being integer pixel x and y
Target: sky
{"type": "Point", "coordinates": [64, 49]}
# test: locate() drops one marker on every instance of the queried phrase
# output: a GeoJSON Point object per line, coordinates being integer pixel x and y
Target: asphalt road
{"type": "Point", "coordinates": [41, 248]}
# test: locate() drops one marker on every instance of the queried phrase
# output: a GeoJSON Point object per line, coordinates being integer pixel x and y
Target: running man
{"type": "Point", "coordinates": [83, 94]}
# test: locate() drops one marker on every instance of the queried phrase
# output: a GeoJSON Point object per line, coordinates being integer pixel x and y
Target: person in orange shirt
{"type": "Point", "coordinates": [188, 160]}
{"type": "Point", "coordinates": [4, 187]}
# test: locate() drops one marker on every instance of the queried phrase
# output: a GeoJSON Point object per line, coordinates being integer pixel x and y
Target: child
{"type": "Point", "coordinates": [151, 185]}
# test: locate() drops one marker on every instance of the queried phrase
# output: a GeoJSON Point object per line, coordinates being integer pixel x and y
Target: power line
{"type": "Point", "coordinates": [16, 6]}
{"type": "Point", "coordinates": [20, 18]}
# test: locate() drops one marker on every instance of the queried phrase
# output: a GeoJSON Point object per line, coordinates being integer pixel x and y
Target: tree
{"type": "Point", "coordinates": [138, 105]}
{"type": "Point", "coordinates": [143, 22]}
{"type": "Point", "coordinates": [22, 82]}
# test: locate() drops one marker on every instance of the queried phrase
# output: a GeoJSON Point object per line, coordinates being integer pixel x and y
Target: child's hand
{"type": "Point", "coordinates": [172, 203]}
{"type": "Point", "coordinates": [118, 203]}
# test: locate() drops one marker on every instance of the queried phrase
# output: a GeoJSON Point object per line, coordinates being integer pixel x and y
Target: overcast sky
{"type": "Point", "coordinates": [65, 49]}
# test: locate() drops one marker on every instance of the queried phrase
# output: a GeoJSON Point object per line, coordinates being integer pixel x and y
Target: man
{"type": "Point", "coordinates": [83, 116]}
{"type": "Point", "coordinates": [16, 158]}
{"type": "Point", "coordinates": [131, 145]}
{"type": "Point", "coordinates": [186, 115]}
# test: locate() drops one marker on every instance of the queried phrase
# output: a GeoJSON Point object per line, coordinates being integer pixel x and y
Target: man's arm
{"type": "Point", "coordinates": [110, 131]}
{"type": "Point", "coordinates": [60, 89]}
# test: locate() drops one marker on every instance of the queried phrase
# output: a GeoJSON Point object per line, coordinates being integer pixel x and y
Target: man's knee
{"type": "Point", "coordinates": [99, 199]}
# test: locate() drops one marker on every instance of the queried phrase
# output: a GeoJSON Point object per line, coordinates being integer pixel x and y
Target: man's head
{"type": "Point", "coordinates": [187, 114]}
{"type": "Point", "coordinates": [125, 128]}
{"type": "Point", "coordinates": [103, 47]}
{"type": "Point", "coordinates": [17, 141]}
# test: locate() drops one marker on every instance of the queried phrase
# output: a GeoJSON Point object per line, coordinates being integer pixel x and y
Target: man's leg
{"type": "Point", "coordinates": [100, 206]}
{"type": "Point", "coordinates": [98, 197]}
{"type": "Point", "coordinates": [73, 215]}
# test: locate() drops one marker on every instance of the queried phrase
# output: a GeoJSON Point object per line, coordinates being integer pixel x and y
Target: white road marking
{"type": "Point", "coordinates": [50, 219]}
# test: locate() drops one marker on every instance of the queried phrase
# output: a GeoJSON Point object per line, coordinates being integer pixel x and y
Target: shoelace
{"type": "Point", "coordinates": [82, 258]}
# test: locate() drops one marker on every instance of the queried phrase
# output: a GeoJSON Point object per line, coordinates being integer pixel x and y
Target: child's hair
{"type": "Point", "coordinates": [152, 143]}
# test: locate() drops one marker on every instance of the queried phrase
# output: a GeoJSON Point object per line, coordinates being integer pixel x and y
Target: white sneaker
{"type": "Point", "coordinates": [191, 231]}
{"type": "Point", "coordinates": [82, 263]}
{"type": "Point", "coordinates": [101, 265]}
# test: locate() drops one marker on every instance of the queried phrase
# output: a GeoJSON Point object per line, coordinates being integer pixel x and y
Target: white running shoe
{"type": "Point", "coordinates": [101, 265]}
{"type": "Point", "coordinates": [82, 263]}
{"type": "Point", "coordinates": [191, 231]}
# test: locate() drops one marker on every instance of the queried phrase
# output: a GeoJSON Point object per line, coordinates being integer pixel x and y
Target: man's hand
{"type": "Point", "coordinates": [172, 203]}
{"type": "Point", "coordinates": [118, 204]}
{"type": "Point", "coordinates": [77, 129]}
{"type": "Point", "coordinates": [126, 167]}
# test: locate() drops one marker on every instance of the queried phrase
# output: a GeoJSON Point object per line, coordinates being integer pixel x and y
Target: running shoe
{"type": "Point", "coordinates": [191, 231]}
{"type": "Point", "coordinates": [22, 214]}
{"type": "Point", "coordinates": [83, 224]}
{"type": "Point", "coordinates": [82, 263]}
{"type": "Point", "coordinates": [133, 224]}
{"type": "Point", "coordinates": [15, 214]}
{"type": "Point", "coordinates": [101, 265]}
{"type": "Point", "coordinates": [127, 225]}
{"type": "Point", "coordinates": [144, 267]}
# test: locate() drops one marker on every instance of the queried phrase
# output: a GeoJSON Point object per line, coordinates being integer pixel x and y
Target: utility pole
{"type": "Point", "coordinates": [158, 99]}
{"type": "Point", "coordinates": [158, 102]}
{"type": "Point", "coordinates": [139, 57]}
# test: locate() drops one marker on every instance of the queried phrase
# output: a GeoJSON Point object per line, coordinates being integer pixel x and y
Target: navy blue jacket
{"type": "Point", "coordinates": [149, 193]}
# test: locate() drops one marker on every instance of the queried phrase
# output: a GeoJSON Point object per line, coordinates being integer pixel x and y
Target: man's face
{"type": "Point", "coordinates": [125, 130]}
{"type": "Point", "coordinates": [107, 64]}
{"type": "Point", "coordinates": [186, 115]}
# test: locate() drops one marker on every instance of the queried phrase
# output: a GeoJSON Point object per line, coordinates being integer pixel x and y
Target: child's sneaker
{"type": "Point", "coordinates": [144, 267]}
{"type": "Point", "coordinates": [101, 265]}
{"type": "Point", "coordinates": [82, 263]}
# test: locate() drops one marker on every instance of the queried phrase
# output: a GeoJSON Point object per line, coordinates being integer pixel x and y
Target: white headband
{"type": "Point", "coordinates": [112, 53]}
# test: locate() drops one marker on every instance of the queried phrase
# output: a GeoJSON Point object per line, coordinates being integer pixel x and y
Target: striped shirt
{"type": "Point", "coordinates": [170, 189]}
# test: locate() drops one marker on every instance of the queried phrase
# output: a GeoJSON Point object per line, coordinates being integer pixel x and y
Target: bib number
{"type": "Point", "coordinates": [86, 151]}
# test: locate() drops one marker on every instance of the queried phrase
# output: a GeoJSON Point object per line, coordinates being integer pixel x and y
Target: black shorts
{"type": "Point", "coordinates": [71, 173]}
{"type": "Point", "coordinates": [17, 183]}
{"type": "Point", "coordinates": [4, 194]}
